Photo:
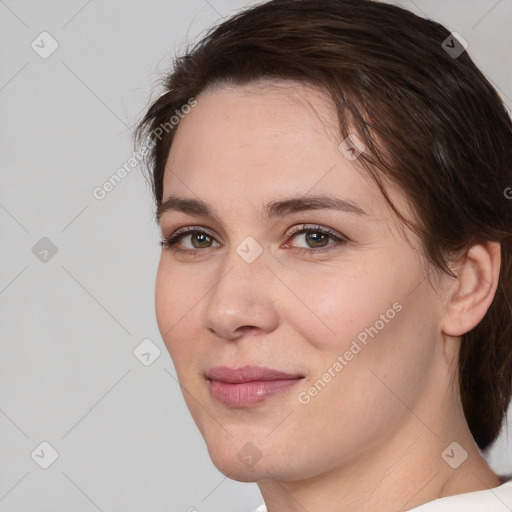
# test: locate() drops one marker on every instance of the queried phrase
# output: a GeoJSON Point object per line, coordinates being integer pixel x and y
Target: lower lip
{"type": "Point", "coordinates": [245, 394]}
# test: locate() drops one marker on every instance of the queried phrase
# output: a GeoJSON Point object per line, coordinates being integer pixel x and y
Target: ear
{"type": "Point", "coordinates": [471, 293]}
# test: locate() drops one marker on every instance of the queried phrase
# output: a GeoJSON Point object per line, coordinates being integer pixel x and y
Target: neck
{"type": "Point", "coordinates": [397, 475]}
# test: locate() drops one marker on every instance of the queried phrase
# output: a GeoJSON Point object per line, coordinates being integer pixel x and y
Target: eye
{"type": "Point", "coordinates": [199, 238]}
{"type": "Point", "coordinates": [316, 237]}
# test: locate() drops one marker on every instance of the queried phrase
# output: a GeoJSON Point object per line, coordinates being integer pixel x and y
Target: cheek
{"type": "Point", "coordinates": [329, 311]}
{"type": "Point", "coordinates": [364, 324]}
{"type": "Point", "coordinates": [165, 303]}
{"type": "Point", "coordinates": [369, 338]}
{"type": "Point", "coordinates": [175, 298]}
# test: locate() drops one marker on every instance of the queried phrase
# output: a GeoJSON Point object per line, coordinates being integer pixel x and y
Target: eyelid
{"type": "Point", "coordinates": [317, 227]}
{"type": "Point", "coordinates": [192, 229]}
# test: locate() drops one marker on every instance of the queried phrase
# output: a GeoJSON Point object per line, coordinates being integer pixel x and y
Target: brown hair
{"type": "Point", "coordinates": [446, 139]}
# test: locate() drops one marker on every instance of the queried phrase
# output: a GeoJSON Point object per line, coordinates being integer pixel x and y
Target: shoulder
{"type": "Point", "coordinates": [497, 499]}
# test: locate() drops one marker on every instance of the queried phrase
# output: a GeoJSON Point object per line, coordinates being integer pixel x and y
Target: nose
{"type": "Point", "coordinates": [241, 299]}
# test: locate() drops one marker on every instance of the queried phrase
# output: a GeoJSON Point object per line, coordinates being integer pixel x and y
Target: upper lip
{"type": "Point", "coordinates": [247, 374]}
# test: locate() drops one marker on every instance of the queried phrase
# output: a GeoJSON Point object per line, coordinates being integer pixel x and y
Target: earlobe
{"type": "Point", "coordinates": [471, 293]}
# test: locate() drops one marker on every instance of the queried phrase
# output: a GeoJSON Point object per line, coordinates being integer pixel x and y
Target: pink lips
{"type": "Point", "coordinates": [247, 385]}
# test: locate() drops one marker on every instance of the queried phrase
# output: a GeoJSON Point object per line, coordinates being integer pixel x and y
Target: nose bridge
{"type": "Point", "coordinates": [240, 297]}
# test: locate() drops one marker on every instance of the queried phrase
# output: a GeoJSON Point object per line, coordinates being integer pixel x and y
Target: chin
{"type": "Point", "coordinates": [247, 464]}
{"type": "Point", "coordinates": [234, 469]}
{"type": "Point", "coordinates": [240, 458]}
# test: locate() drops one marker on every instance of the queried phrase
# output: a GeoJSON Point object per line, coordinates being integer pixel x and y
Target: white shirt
{"type": "Point", "coordinates": [498, 499]}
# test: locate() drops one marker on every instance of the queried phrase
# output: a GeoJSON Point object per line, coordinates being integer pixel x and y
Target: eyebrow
{"type": "Point", "coordinates": [273, 209]}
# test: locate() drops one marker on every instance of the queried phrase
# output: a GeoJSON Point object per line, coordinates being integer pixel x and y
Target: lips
{"type": "Point", "coordinates": [248, 385]}
{"type": "Point", "coordinates": [247, 374]}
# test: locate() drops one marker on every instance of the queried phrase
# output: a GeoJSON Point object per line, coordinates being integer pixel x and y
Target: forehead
{"type": "Point", "coordinates": [263, 141]}
{"type": "Point", "coordinates": [263, 109]}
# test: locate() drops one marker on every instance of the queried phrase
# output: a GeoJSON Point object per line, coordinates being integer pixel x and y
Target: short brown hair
{"type": "Point", "coordinates": [446, 139]}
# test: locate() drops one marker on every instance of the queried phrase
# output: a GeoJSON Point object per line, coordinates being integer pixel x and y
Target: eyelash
{"type": "Point", "coordinates": [172, 241]}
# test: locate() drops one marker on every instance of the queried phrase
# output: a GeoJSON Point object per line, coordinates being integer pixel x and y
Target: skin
{"type": "Point", "coordinates": [372, 438]}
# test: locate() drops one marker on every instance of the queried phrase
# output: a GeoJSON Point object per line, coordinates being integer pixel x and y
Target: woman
{"type": "Point", "coordinates": [335, 282]}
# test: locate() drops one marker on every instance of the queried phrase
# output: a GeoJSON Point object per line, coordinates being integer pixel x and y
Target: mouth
{"type": "Point", "coordinates": [248, 385]}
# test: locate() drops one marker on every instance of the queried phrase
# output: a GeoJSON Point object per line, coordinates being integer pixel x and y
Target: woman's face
{"type": "Point", "coordinates": [344, 310]}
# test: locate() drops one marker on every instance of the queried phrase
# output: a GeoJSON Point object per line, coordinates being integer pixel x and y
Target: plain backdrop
{"type": "Point", "coordinates": [77, 273]}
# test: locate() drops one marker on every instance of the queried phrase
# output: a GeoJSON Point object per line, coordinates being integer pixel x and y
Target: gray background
{"type": "Point", "coordinates": [71, 321]}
